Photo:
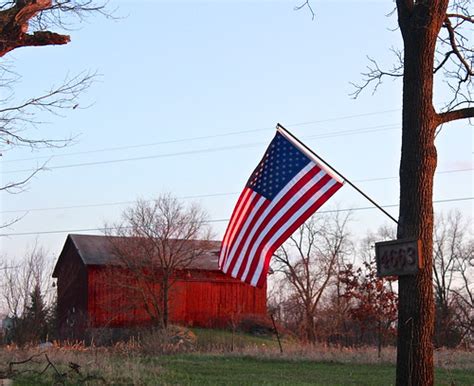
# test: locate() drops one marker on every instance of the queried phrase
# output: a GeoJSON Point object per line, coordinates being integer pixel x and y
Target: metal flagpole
{"type": "Point", "coordinates": [344, 178]}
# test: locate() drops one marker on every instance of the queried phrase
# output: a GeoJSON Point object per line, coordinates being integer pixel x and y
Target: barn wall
{"type": "Point", "coordinates": [72, 293]}
{"type": "Point", "coordinates": [198, 298]}
{"type": "Point", "coordinates": [112, 300]}
{"type": "Point", "coordinates": [210, 299]}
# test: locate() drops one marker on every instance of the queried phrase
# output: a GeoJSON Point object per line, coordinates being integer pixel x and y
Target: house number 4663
{"type": "Point", "coordinates": [398, 257]}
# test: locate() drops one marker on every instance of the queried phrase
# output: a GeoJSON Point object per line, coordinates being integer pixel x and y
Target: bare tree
{"type": "Point", "coordinates": [436, 42]}
{"type": "Point", "coordinates": [464, 296]}
{"type": "Point", "coordinates": [367, 244]}
{"type": "Point", "coordinates": [26, 23]}
{"type": "Point", "coordinates": [309, 261]}
{"type": "Point", "coordinates": [453, 279]}
{"type": "Point", "coordinates": [156, 240]}
{"type": "Point", "coordinates": [20, 277]}
{"type": "Point", "coordinates": [19, 121]}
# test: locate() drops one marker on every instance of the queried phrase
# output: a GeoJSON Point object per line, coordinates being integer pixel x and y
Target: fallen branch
{"type": "Point", "coordinates": [61, 378]}
{"type": "Point", "coordinates": [54, 367]}
{"type": "Point", "coordinates": [30, 359]}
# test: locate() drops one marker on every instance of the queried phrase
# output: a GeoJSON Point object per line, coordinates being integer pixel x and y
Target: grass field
{"type": "Point", "coordinates": [199, 369]}
{"type": "Point", "coordinates": [254, 361]}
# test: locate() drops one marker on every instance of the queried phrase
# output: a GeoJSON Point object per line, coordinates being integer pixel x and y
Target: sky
{"type": "Point", "coordinates": [187, 100]}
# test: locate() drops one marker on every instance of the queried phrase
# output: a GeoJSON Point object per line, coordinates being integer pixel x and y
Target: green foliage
{"type": "Point", "coordinates": [37, 323]}
{"type": "Point", "coordinates": [224, 340]}
{"type": "Point", "coordinates": [36, 316]}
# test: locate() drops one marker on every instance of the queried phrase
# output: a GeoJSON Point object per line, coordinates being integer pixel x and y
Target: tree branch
{"type": "Point", "coordinates": [14, 24]}
{"type": "Point", "coordinates": [19, 186]}
{"type": "Point", "coordinates": [453, 115]}
{"type": "Point", "coordinates": [306, 4]}
{"type": "Point", "coordinates": [467, 18]}
{"type": "Point", "coordinates": [375, 74]}
{"type": "Point", "coordinates": [443, 62]}
{"type": "Point", "coordinates": [455, 48]}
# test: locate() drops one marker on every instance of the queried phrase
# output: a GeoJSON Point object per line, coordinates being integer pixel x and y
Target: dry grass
{"type": "Point", "coordinates": [220, 342]}
{"type": "Point", "coordinates": [444, 359]}
{"type": "Point", "coordinates": [119, 362]}
{"type": "Point", "coordinates": [129, 363]}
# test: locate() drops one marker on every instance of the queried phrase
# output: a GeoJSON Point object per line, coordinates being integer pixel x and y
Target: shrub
{"type": "Point", "coordinates": [170, 340]}
{"type": "Point", "coordinates": [256, 324]}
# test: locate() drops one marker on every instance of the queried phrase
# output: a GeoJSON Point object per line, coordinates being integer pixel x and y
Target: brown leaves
{"type": "Point", "coordinates": [374, 302]}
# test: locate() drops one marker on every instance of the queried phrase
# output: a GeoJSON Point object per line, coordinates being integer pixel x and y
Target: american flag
{"type": "Point", "coordinates": [287, 187]}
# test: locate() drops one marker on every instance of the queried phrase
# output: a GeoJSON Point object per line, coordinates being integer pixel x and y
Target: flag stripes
{"type": "Point", "coordinates": [259, 276]}
{"type": "Point", "coordinates": [280, 213]}
{"type": "Point", "coordinates": [236, 262]}
{"type": "Point", "coordinates": [259, 226]}
{"type": "Point", "coordinates": [245, 231]}
{"type": "Point", "coordinates": [233, 221]}
{"type": "Point", "coordinates": [288, 215]}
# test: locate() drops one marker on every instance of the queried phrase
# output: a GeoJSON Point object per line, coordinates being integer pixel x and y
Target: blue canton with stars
{"type": "Point", "coordinates": [281, 162]}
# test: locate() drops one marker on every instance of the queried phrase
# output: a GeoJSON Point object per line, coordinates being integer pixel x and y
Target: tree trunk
{"type": "Point", "coordinates": [420, 28]}
{"type": "Point", "coordinates": [310, 333]}
{"type": "Point", "coordinates": [379, 339]}
{"type": "Point", "coordinates": [165, 292]}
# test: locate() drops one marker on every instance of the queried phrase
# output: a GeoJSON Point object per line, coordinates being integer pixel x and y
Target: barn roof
{"type": "Point", "coordinates": [98, 250]}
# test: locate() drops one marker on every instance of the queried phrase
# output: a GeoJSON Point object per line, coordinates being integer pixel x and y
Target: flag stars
{"type": "Point", "coordinates": [279, 164]}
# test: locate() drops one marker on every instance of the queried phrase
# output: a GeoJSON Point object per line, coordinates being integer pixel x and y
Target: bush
{"type": "Point", "coordinates": [256, 325]}
{"type": "Point", "coordinates": [107, 336]}
{"type": "Point", "coordinates": [170, 340]}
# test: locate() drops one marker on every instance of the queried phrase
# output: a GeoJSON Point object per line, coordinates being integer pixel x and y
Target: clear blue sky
{"type": "Point", "coordinates": [181, 70]}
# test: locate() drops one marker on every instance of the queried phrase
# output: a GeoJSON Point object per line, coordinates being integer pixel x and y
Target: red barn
{"type": "Point", "coordinates": [201, 295]}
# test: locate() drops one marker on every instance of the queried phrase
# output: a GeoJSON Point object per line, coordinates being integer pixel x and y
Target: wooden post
{"type": "Point", "coordinates": [276, 333]}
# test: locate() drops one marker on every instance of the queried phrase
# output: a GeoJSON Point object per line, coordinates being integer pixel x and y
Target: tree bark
{"type": "Point", "coordinates": [379, 339]}
{"type": "Point", "coordinates": [14, 27]}
{"type": "Point", "coordinates": [165, 287]}
{"type": "Point", "coordinates": [420, 25]}
{"type": "Point", "coordinates": [310, 333]}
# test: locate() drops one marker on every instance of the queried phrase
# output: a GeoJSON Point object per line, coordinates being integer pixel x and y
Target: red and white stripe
{"type": "Point", "coordinates": [259, 226]}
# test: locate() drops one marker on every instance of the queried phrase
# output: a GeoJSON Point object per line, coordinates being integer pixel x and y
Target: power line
{"type": "Point", "coordinates": [392, 178]}
{"type": "Point", "coordinates": [361, 130]}
{"type": "Point", "coordinates": [179, 140]}
{"type": "Point", "coordinates": [223, 220]}
{"type": "Point", "coordinates": [209, 150]}
{"type": "Point", "coordinates": [164, 155]}
{"type": "Point", "coordinates": [94, 205]}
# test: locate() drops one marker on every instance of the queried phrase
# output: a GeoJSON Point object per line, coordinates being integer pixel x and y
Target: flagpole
{"type": "Point", "coordinates": [344, 178]}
